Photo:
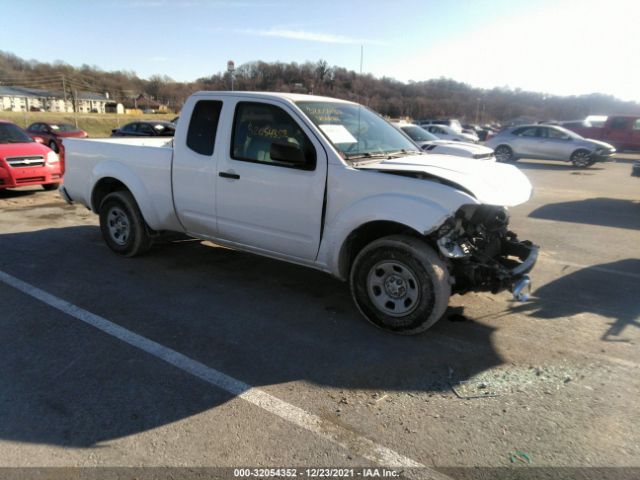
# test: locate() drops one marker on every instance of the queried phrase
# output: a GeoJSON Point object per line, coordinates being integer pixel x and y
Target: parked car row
{"type": "Point", "coordinates": [25, 160]}
{"type": "Point", "coordinates": [145, 129]}
{"type": "Point", "coordinates": [472, 132]}
{"type": "Point", "coordinates": [536, 141]}
{"type": "Point", "coordinates": [432, 144]}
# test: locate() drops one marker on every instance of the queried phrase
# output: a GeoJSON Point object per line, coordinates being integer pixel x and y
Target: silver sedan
{"type": "Point", "coordinates": [548, 142]}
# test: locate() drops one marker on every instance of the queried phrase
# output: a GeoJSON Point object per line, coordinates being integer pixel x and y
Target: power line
{"type": "Point", "coordinates": [28, 82]}
{"type": "Point", "coordinates": [30, 78]}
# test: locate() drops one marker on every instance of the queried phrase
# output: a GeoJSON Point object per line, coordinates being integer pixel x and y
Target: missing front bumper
{"type": "Point", "coordinates": [508, 270]}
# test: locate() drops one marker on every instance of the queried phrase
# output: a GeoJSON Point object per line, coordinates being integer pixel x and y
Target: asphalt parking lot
{"type": "Point", "coordinates": [555, 378]}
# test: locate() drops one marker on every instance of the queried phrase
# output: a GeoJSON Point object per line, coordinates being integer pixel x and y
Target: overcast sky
{"type": "Point", "coordinates": [560, 47]}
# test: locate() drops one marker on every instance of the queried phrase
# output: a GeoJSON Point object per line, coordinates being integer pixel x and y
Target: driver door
{"type": "Point", "coordinates": [264, 204]}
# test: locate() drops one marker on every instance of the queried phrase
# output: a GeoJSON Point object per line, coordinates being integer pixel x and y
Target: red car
{"type": "Point", "coordinates": [621, 131]}
{"type": "Point", "coordinates": [24, 161]}
{"type": "Point", "coordinates": [53, 133]}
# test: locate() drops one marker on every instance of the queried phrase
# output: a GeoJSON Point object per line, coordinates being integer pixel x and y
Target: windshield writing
{"type": "Point", "coordinates": [357, 131]}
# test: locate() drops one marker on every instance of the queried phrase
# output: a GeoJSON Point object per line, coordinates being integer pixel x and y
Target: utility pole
{"type": "Point", "coordinates": [231, 68]}
{"type": "Point", "coordinates": [75, 107]}
{"type": "Point", "coordinates": [64, 91]}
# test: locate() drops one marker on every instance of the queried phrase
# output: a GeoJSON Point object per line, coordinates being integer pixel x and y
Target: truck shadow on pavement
{"type": "Point", "coordinates": [263, 322]}
{"type": "Point", "coordinates": [606, 212]}
{"type": "Point", "coordinates": [609, 290]}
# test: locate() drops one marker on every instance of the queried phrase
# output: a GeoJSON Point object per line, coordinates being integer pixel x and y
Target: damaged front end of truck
{"type": "Point", "coordinates": [483, 254]}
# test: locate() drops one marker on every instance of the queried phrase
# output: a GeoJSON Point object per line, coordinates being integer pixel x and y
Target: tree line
{"type": "Point", "coordinates": [440, 97]}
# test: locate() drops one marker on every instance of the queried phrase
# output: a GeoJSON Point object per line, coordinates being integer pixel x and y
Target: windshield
{"type": "Point", "coordinates": [10, 133]}
{"type": "Point", "coordinates": [418, 134]}
{"type": "Point", "coordinates": [357, 131]}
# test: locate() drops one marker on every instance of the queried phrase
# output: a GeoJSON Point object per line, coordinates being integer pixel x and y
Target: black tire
{"type": "Point", "coordinates": [54, 146]}
{"type": "Point", "coordinates": [504, 153]}
{"type": "Point", "coordinates": [582, 158]}
{"type": "Point", "coordinates": [122, 225]}
{"type": "Point", "coordinates": [50, 186]}
{"type": "Point", "coordinates": [419, 264]}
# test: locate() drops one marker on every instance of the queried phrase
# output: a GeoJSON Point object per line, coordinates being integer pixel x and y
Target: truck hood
{"type": "Point", "coordinates": [490, 183]}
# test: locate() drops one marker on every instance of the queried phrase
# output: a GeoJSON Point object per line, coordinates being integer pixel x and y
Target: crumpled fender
{"type": "Point", "coordinates": [420, 214]}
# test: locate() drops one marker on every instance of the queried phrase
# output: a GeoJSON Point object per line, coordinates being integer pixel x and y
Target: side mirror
{"type": "Point", "coordinates": [38, 139]}
{"type": "Point", "coordinates": [287, 153]}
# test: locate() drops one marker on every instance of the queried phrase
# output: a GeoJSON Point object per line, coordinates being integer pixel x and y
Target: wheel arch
{"type": "Point", "coordinates": [104, 187]}
{"type": "Point", "coordinates": [509, 146]}
{"type": "Point", "coordinates": [364, 235]}
{"type": "Point", "coordinates": [349, 229]}
{"type": "Point", "coordinates": [582, 149]}
{"type": "Point", "coordinates": [109, 184]}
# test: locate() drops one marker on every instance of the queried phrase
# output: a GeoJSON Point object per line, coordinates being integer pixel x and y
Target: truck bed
{"type": "Point", "coordinates": [129, 160]}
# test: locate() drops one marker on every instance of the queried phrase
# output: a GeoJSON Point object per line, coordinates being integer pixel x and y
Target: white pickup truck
{"type": "Point", "coordinates": [319, 182]}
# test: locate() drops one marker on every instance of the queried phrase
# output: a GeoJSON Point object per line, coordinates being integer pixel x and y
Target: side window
{"type": "Point", "coordinates": [556, 134]}
{"type": "Point", "coordinates": [203, 125]}
{"type": "Point", "coordinates": [260, 129]}
{"type": "Point", "coordinates": [527, 132]}
{"type": "Point", "coordinates": [130, 128]}
{"type": "Point", "coordinates": [619, 123]}
{"type": "Point", "coordinates": [145, 129]}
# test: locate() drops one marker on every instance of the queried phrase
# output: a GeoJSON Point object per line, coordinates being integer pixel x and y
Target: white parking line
{"type": "Point", "coordinates": [329, 431]}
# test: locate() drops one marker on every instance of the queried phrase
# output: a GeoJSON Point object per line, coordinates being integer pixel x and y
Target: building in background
{"type": "Point", "coordinates": [22, 99]}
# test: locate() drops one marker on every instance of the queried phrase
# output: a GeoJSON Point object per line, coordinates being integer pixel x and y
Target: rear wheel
{"type": "Point", "coordinates": [50, 186]}
{"type": "Point", "coordinates": [122, 225]}
{"type": "Point", "coordinates": [582, 158]}
{"type": "Point", "coordinates": [400, 284]}
{"type": "Point", "coordinates": [504, 153]}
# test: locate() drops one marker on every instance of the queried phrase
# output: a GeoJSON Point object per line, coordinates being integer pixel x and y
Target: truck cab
{"type": "Point", "coordinates": [319, 182]}
{"type": "Point", "coordinates": [621, 131]}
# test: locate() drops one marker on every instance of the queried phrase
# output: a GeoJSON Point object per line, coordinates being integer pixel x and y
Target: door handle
{"type": "Point", "coordinates": [233, 176]}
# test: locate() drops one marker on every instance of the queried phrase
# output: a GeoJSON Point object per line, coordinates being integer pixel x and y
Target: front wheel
{"type": "Point", "coordinates": [504, 153]}
{"type": "Point", "coordinates": [581, 158]}
{"type": "Point", "coordinates": [122, 225]}
{"type": "Point", "coordinates": [400, 284]}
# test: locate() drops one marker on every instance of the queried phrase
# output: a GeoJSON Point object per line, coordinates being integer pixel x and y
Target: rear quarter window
{"type": "Point", "coordinates": [619, 123]}
{"type": "Point", "coordinates": [201, 136]}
